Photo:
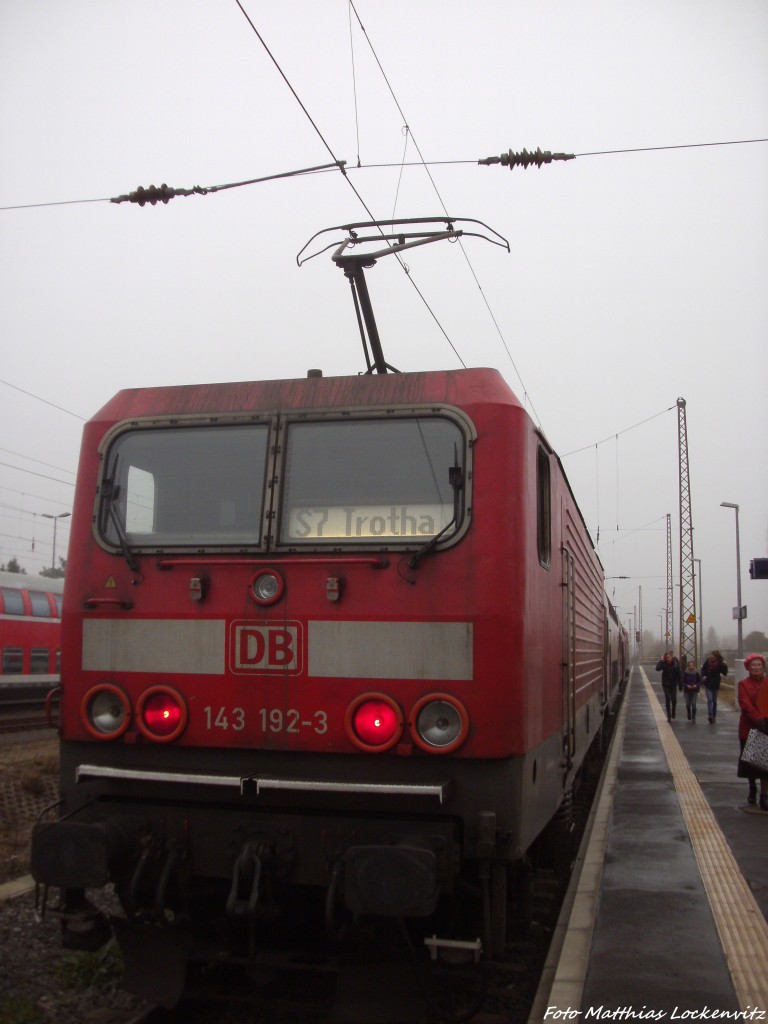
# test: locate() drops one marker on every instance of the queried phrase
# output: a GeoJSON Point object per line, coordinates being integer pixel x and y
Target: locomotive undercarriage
{"type": "Point", "coordinates": [293, 881]}
{"type": "Point", "coordinates": [387, 886]}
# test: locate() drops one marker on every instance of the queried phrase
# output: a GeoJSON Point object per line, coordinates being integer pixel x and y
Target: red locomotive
{"type": "Point", "coordinates": [334, 652]}
{"type": "Point", "coordinates": [335, 642]}
{"type": "Point", "coordinates": [30, 628]}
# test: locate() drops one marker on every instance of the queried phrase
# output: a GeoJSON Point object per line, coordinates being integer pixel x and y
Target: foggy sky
{"type": "Point", "coordinates": [634, 278]}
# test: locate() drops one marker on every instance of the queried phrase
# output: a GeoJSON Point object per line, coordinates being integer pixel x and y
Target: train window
{"type": "Point", "coordinates": [58, 599]}
{"type": "Point", "coordinates": [543, 507]}
{"type": "Point", "coordinates": [39, 602]}
{"type": "Point", "coordinates": [369, 481]}
{"type": "Point", "coordinates": [186, 486]}
{"type": "Point", "coordinates": [13, 660]}
{"type": "Point", "coordinates": [39, 660]}
{"type": "Point", "coordinates": [57, 668]}
{"type": "Point", "coordinates": [13, 602]}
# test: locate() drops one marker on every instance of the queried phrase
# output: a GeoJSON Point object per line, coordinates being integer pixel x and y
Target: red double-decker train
{"type": "Point", "coordinates": [30, 629]}
{"type": "Point", "coordinates": [335, 650]}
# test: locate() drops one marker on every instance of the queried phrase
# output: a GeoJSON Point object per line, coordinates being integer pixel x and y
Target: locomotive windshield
{"type": "Point", "coordinates": [382, 479]}
{"type": "Point", "coordinates": [370, 480]}
{"type": "Point", "coordinates": [191, 485]}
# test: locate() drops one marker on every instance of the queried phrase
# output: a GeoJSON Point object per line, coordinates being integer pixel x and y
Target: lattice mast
{"type": "Point", "coordinates": [669, 638]}
{"type": "Point", "coordinates": [640, 622]}
{"type": "Point", "coordinates": [688, 649]}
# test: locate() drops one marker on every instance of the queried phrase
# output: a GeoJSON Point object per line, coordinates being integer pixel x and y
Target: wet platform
{"type": "Point", "coordinates": [668, 919]}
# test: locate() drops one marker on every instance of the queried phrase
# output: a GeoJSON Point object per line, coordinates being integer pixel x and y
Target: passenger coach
{"type": "Point", "coordinates": [30, 628]}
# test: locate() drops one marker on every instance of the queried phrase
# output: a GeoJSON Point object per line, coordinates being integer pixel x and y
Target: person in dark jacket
{"type": "Point", "coordinates": [691, 687]}
{"type": "Point", "coordinates": [712, 671]}
{"type": "Point", "coordinates": [669, 667]}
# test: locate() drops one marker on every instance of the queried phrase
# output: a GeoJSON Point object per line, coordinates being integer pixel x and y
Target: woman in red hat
{"type": "Point", "coordinates": [753, 701]}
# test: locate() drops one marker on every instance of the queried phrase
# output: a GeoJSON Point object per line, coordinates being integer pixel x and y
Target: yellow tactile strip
{"type": "Point", "coordinates": [740, 924]}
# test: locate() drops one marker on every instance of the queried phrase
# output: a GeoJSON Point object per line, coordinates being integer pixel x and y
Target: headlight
{"type": "Point", "coordinates": [439, 723]}
{"type": "Point", "coordinates": [161, 714]}
{"type": "Point", "coordinates": [267, 587]}
{"type": "Point", "coordinates": [105, 711]}
{"type": "Point", "coordinates": [374, 722]}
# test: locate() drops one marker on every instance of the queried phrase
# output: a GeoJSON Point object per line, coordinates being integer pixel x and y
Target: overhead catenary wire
{"type": "Point", "coordinates": [406, 132]}
{"type": "Point", "coordinates": [354, 83]}
{"type": "Point", "coordinates": [618, 434]}
{"type": "Point", "coordinates": [523, 159]}
{"type": "Point", "coordinates": [409, 133]}
{"type": "Point", "coordinates": [27, 512]}
{"type": "Point", "coordinates": [595, 446]}
{"type": "Point", "coordinates": [339, 163]}
{"type": "Point", "coordinates": [347, 170]}
{"type": "Point", "coordinates": [682, 145]}
{"type": "Point", "coordinates": [30, 495]}
{"type": "Point", "coordinates": [342, 168]}
{"type": "Point", "coordinates": [43, 476]}
{"type": "Point", "coordinates": [163, 193]}
{"type": "Point", "coordinates": [45, 401]}
{"type": "Point", "coordinates": [189, 174]}
{"type": "Point", "coordinates": [21, 455]}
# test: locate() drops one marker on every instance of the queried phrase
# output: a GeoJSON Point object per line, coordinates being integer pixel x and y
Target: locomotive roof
{"type": "Point", "coordinates": [454, 387]}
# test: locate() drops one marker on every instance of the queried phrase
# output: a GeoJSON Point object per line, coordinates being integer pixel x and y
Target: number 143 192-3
{"type": "Point", "coordinates": [269, 720]}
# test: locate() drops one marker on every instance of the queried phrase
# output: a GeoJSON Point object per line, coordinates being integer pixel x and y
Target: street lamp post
{"type": "Point", "coordinates": [61, 515]}
{"type": "Point", "coordinates": [739, 609]}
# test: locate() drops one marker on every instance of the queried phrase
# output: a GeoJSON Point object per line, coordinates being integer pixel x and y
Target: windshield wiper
{"type": "Point", "coordinates": [110, 493]}
{"type": "Point", "coordinates": [456, 480]}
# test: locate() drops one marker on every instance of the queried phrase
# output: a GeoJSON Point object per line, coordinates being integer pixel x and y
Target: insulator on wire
{"type": "Point", "coordinates": [152, 194]}
{"type": "Point", "coordinates": [524, 159]}
{"type": "Point", "coordinates": [155, 194]}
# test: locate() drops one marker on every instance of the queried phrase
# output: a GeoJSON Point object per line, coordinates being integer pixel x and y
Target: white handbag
{"type": "Point", "coordinates": [756, 750]}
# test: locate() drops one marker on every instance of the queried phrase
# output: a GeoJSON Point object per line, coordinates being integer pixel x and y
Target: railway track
{"type": "Point", "coordinates": [21, 714]}
{"type": "Point", "coordinates": [394, 993]}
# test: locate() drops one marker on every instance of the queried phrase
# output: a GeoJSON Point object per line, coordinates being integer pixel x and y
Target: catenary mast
{"type": "Point", "coordinates": [688, 646]}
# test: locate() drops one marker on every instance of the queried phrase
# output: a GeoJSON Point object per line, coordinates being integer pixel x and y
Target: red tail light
{"type": "Point", "coordinates": [161, 714]}
{"type": "Point", "coordinates": [374, 722]}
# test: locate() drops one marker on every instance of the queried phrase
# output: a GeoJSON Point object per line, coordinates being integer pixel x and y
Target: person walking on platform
{"type": "Point", "coordinates": [670, 681]}
{"type": "Point", "coordinates": [753, 701]}
{"type": "Point", "coordinates": [711, 672]}
{"type": "Point", "coordinates": [691, 687]}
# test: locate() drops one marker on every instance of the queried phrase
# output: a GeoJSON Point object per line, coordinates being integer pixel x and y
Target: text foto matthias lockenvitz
{"type": "Point", "coordinates": [554, 1013]}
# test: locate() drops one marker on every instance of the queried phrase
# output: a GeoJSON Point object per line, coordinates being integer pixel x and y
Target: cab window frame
{"type": "Point", "coordinates": [266, 538]}
{"type": "Point", "coordinates": [161, 544]}
{"type": "Point", "coordinates": [386, 542]}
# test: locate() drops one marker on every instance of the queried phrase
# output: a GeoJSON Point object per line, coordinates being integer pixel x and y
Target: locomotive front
{"type": "Point", "coordinates": [285, 665]}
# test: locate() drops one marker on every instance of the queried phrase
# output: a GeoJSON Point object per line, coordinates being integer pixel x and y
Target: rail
{"type": "Point", "coordinates": [21, 713]}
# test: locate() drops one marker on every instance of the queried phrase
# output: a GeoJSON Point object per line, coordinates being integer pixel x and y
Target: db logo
{"type": "Point", "coordinates": [265, 647]}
